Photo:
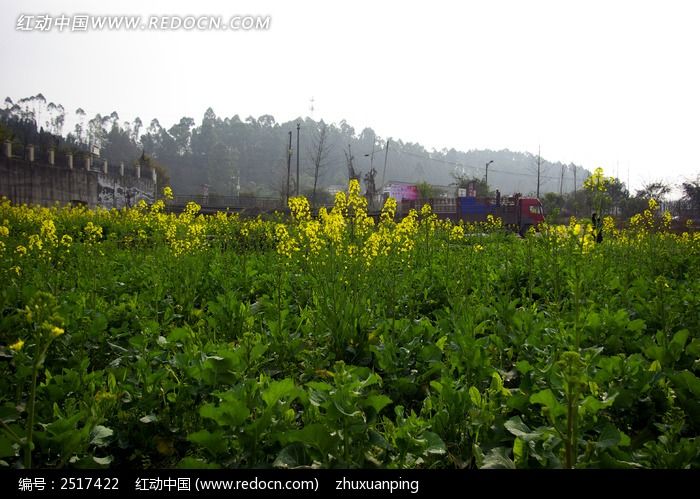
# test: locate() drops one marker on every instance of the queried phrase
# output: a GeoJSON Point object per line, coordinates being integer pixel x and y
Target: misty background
{"type": "Point", "coordinates": [595, 84]}
{"type": "Point", "coordinates": [234, 155]}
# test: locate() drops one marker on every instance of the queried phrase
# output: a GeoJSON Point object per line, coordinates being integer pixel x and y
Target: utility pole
{"type": "Point", "coordinates": [575, 192]}
{"type": "Point", "coordinates": [386, 156]}
{"type": "Point", "coordinates": [486, 180]}
{"type": "Point", "coordinates": [538, 171]}
{"type": "Point", "coordinates": [561, 182]}
{"type": "Point", "coordinates": [351, 169]}
{"type": "Point", "coordinates": [289, 166]}
{"type": "Point", "coordinates": [298, 126]}
{"type": "Point", "coordinates": [238, 184]}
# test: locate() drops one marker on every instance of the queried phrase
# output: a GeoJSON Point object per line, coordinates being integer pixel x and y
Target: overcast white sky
{"type": "Point", "coordinates": [601, 83]}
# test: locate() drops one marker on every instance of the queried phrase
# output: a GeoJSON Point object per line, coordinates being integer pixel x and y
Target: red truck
{"type": "Point", "coordinates": [516, 212]}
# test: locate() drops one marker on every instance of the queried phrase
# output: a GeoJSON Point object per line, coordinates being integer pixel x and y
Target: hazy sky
{"type": "Point", "coordinates": [600, 83]}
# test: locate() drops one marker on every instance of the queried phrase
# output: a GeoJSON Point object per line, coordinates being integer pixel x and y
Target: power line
{"type": "Point", "coordinates": [476, 169]}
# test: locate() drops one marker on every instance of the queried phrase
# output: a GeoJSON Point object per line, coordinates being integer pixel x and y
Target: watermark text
{"type": "Point", "coordinates": [87, 22]}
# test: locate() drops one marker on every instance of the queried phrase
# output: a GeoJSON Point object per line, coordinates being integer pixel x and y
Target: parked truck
{"type": "Point", "coordinates": [517, 212]}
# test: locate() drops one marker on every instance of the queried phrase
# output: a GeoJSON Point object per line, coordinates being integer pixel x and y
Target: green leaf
{"type": "Point", "coordinates": [436, 385]}
{"type": "Point", "coordinates": [98, 324]}
{"type": "Point", "coordinates": [100, 435]}
{"type": "Point", "coordinates": [518, 401]}
{"type": "Point", "coordinates": [475, 396]}
{"type": "Point", "coordinates": [591, 405]}
{"type": "Point", "coordinates": [102, 461]}
{"type": "Point", "coordinates": [315, 435]}
{"type": "Point", "coordinates": [519, 450]}
{"type": "Point", "coordinates": [593, 320]}
{"type": "Point", "coordinates": [654, 352]}
{"type": "Point", "coordinates": [214, 442]}
{"type": "Point", "coordinates": [8, 413]}
{"type": "Point", "coordinates": [351, 412]}
{"type": "Point", "coordinates": [636, 326]}
{"type": "Point", "coordinates": [377, 439]}
{"type": "Point", "coordinates": [498, 459]}
{"type": "Point", "coordinates": [321, 386]}
{"type": "Point", "coordinates": [283, 390]}
{"type": "Point", "coordinates": [524, 366]}
{"type": "Point", "coordinates": [257, 351]}
{"type": "Point", "coordinates": [178, 334]}
{"type": "Point", "coordinates": [549, 401]}
{"type": "Point", "coordinates": [435, 443]}
{"type": "Point", "coordinates": [687, 380]}
{"type": "Point", "coordinates": [290, 457]}
{"type": "Point", "coordinates": [230, 413]}
{"type": "Point", "coordinates": [377, 402]}
{"type": "Point", "coordinates": [150, 418]}
{"type": "Point", "coordinates": [516, 426]}
{"type": "Point", "coordinates": [677, 344]}
{"type": "Point", "coordinates": [430, 353]}
{"type": "Point", "coordinates": [497, 385]}
{"type": "Point", "coordinates": [609, 437]}
{"type": "Point", "coordinates": [693, 349]}
{"type": "Point", "coordinates": [137, 341]}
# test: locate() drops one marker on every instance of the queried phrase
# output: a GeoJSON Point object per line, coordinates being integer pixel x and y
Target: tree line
{"type": "Point", "coordinates": [253, 152]}
{"type": "Point", "coordinates": [231, 155]}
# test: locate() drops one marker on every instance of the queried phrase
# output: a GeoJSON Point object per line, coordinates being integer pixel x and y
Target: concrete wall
{"type": "Point", "coordinates": [34, 183]}
{"type": "Point", "coordinates": [118, 192]}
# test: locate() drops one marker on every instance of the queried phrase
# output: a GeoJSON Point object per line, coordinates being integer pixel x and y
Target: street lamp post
{"type": "Point", "coordinates": [298, 126]}
{"type": "Point", "coordinates": [487, 175]}
{"type": "Point", "coordinates": [289, 166]}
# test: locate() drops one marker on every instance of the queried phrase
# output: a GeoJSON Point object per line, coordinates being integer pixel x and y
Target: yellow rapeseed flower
{"type": "Point", "coordinates": [191, 209]}
{"type": "Point", "coordinates": [286, 245]}
{"type": "Point", "coordinates": [493, 223]}
{"type": "Point", "coordinates": [48, 232]}
{"type": "Point", "coordinates": [93, 233]}
{"type": "Point", "coordinates": [310, 231]}
{"type": "Point", "coordinates": [299, 206]}
{"type": "Point", "coordinates": [158, 206]}
{"type": "Point", "coordinates": [389, 210]}
{"type": "Point", "coordinates": [598, 181]}
{"type": "Point", "coordinates": [340, 204]}
{"type": "Point", "coordinates": [17, 345]}
{"type": "Point", "coordinates": [333, 225]}
{"type": "Point", "coordinates": [457, 233]}
{"type": "Point", "coordinates": [667, 219]}
{"type": "Point", "coordinates": [354, 188]}
{"type": "Point", "coordinates": [609, 225]}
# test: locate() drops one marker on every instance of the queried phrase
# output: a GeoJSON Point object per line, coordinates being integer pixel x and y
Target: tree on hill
{"type": "Point", "coordinates": [691, 194]}
{"type": "Point", "coordinates": [654, 190]}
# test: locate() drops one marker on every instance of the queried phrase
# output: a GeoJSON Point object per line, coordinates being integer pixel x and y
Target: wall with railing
{"type": "Point", "coordinates": [63, 178]}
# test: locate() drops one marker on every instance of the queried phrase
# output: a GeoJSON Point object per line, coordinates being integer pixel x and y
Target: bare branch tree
{"type": "Point", "coordinates": [657, 190]}
{"type": "Point", "coordinates": [352, 173]}
{"type": "Point", "coordinates": [319, 155]}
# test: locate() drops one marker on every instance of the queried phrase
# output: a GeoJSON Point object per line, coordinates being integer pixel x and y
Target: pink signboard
{"type": "Point", "coordinates": [403, 191]}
